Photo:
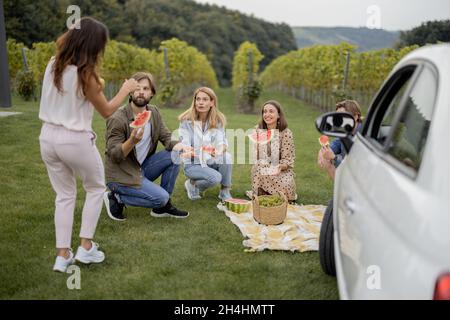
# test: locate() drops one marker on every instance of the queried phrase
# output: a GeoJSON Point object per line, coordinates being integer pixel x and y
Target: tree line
{"type": "Point", "coordinates": [215, 31]}
{"type": "Point", "coordinates": [429, 32]}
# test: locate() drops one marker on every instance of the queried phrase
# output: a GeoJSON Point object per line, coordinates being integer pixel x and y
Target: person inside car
{"type": "Point", "coordinates": [330, 157]}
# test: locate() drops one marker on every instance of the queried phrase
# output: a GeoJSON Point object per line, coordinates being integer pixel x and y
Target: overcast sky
{"type": "Point", "coordinates": [388, 14]}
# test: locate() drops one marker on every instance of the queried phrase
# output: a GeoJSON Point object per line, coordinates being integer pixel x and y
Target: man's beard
{"type": "Point", "coordinates": [140, 101]}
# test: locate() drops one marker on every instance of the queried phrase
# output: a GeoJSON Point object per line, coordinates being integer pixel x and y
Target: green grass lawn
{"type": "Point", "coordinates": [201, 257]}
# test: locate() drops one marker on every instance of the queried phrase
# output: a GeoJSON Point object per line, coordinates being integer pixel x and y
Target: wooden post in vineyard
{"type": "Point", "coordinates": [166, 63]}
{"type": "Point", "coordinates": [24, 59]}
{"type": "Point", "coordinates": [250, 67]}
{"type": "Point", "coordinates": [5, 93]}
{"type": "Point", "coordinates": [347, 66]}
{"type": "Point", "coordinates": [248, 103]}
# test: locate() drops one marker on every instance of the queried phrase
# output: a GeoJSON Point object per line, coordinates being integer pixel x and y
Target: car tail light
{"type": "Point", "coordinates": [442, 289]}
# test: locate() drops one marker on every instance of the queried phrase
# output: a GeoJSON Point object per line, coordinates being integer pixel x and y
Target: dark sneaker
{"type": "Point", "coordinates": [113, 207]}
{"type": "Point", "coordinates": [169, 211]}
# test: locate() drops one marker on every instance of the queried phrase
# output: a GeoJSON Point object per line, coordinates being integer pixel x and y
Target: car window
{"type": "Point", "coordinates": [410, 134]}
{"type": "Point", "coordinates": [389, 104]}
{"type": "Point", "coordinates": [389, 116]}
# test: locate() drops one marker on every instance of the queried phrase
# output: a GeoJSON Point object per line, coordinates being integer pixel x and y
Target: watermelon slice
{"type": "Point", "coordinates": [238, 205]}
{"type": "Point", "coordinates": [324, 141]}
{"type": "Point", "coordinates": [209, 149]}
{"type": "Point", "coordinates": [141, 119]}
{"type": "Point", "coordinates": [261, 136]}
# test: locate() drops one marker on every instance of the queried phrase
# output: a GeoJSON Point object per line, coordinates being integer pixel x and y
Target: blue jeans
{"type": "Point", "coordinates": [150, 195]}
{"type": "Point", "coordinates": [213, 174]}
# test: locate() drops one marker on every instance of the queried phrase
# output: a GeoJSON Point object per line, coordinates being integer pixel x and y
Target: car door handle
{"type": "Point", "coordinates": [349, 206]}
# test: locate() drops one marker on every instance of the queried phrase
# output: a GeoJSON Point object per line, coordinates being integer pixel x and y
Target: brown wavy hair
{"type": "Point", "coordinates": [138, 76]}
{"type": "Point", "coordinates": [351, 106]}
{"type": "Point", "coordinates": [83, 48]}
{"type": "Point", "coordinates": [281, 123]}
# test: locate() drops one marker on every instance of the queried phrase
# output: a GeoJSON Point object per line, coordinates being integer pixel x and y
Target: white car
{"type": "Point", "coordinates": [386, 233]}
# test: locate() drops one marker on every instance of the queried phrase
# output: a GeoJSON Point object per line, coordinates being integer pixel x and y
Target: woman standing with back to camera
{"type": "Point", "coordinates": [71, 90]}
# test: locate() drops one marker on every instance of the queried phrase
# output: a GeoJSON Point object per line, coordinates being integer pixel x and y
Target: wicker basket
{"type": "Point", "coordinates": [269, 215]}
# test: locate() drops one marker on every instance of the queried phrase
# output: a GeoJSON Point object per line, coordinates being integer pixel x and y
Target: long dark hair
{"type": "Point", "coordinates": [83, 48]}
{"type": "Point", "coordinates": [281, 123]}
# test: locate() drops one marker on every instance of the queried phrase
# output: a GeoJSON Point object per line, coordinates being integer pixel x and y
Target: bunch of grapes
{"type": "Point", "coordinates": [270, 200]}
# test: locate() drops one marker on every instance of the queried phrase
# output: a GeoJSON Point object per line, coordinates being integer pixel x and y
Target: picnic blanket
{"type": "Point", "coordinates": [299, 231]}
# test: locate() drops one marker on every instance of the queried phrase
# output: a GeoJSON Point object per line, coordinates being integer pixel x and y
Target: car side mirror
{"type": "Point", "coordinates": [336, 124]}
{"type": "Point", "coordinates": [339, 125]}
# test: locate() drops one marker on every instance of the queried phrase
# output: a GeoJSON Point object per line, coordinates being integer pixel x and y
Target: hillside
{"type": "Point", "coordinates": [366, 39]}
{"type": "Point", "coordinates": [214, 30]}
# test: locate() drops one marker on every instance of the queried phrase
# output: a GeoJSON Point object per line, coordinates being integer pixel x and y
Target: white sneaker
{"type": "Point", "coordinates": [192, 191]}
{"type": "Point", "coordinates": [225, 194]}
{"type": "Point", "coordinates": [92, 256]}
{"type": "Point", "coordinates": [61, 263]}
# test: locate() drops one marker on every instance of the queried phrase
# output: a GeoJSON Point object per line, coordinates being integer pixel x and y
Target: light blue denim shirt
{"type": "Point", "coordinates": [192, 134]}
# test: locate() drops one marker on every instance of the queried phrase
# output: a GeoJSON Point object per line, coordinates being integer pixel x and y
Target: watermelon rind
{"type": "Point", "coordinates": [238, 205]}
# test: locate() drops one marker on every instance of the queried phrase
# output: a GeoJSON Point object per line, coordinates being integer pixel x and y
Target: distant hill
{"type": "Point", "coordinates": [365, 38]}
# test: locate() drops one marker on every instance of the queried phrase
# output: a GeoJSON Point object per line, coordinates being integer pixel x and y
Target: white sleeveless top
{"type": "Point", "coordinates": [67, 109]}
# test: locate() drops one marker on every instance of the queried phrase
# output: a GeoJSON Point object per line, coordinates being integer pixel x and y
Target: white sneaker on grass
{"type": "Point", "coordinates": [225, 194]}
{"type": "Point", "coordinates": [61, 263]}
{"type": "Point", "coordinates": [90, 256]}
{"type": "Point", "coordinates": [192, 191]}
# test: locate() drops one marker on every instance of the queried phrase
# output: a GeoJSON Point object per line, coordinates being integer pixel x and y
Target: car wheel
{"type": "Point", "coordinates": [326, 242]}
